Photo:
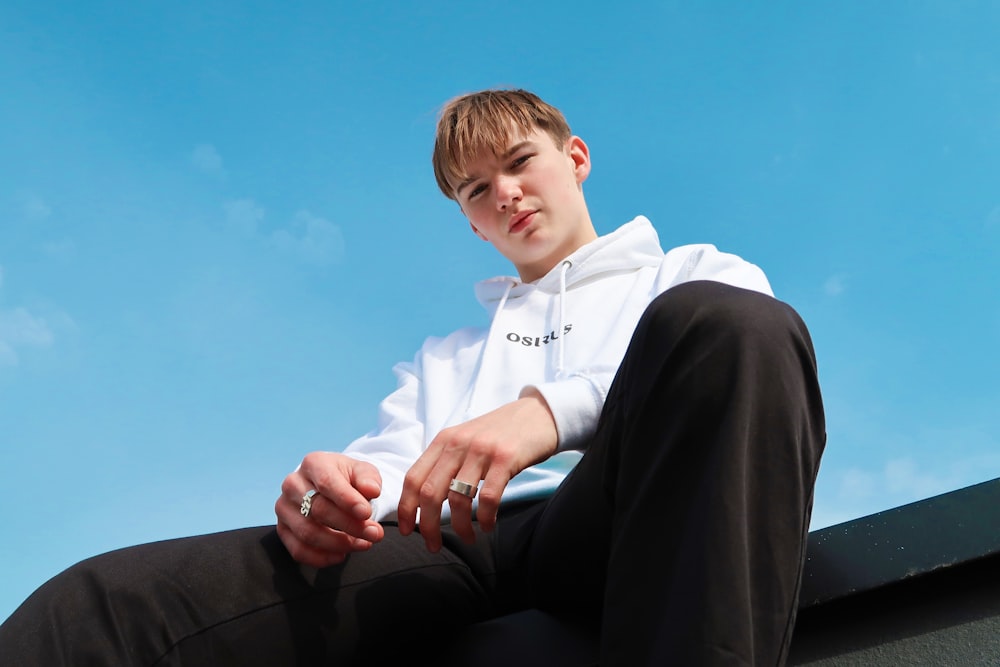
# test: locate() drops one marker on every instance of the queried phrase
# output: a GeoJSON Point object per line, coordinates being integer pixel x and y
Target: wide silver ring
{"type": "Point", "coordinates": [466, 489]}
{"type": "Point", "coordinates": [307, 502]}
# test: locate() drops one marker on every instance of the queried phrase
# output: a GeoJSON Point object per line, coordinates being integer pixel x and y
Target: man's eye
{"type": "Point", "coordinates": [476, 190]}
{"type": "Point", "coordinates": [520, 161]}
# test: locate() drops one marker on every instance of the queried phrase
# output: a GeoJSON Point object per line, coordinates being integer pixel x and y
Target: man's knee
{"type": "Point", "coordinates": [717, 312]}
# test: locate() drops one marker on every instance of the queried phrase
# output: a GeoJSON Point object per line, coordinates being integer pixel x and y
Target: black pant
{"type": "Point", "coordinates": [680, 535]}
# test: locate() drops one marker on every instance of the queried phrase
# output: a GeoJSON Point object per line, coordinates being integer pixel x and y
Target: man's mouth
{"type": "Point", "coordinates": [520, 221]}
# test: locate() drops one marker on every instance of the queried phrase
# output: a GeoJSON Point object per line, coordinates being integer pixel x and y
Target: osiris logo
{"type": "Point", "coordinates": [537, 341]}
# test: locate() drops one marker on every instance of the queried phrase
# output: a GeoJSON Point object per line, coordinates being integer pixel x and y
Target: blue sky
{"type": "Point", "coordinates": [219, 229]}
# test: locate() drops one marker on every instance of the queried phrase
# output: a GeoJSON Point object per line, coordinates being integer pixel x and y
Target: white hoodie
{"type": "Point", "coordinates": [564, 334]}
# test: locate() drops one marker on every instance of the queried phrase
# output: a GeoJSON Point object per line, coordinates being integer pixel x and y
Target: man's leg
{"type": "Point", "coordinates": [685, 522]}
{"type": "Point", "coordinates": [237, 598]}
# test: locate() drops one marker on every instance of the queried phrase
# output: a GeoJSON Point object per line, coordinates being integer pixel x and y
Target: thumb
{"type": "Point", "coordinates": [366, 479]}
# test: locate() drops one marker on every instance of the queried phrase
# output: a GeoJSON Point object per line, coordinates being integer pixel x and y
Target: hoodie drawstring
{"type": "Point", "coordinates": [562, 314]}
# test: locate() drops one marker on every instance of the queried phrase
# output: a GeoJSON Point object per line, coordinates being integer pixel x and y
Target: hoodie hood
{"type": "Point", "coordinates": [631, 246]}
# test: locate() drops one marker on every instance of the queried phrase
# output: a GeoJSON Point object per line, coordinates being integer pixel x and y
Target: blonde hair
{"type": "Point", "coordinates": [472, 123]}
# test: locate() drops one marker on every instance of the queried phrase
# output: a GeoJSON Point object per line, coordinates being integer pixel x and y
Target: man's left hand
{"type": "Point", "coordinates": [493, 448]}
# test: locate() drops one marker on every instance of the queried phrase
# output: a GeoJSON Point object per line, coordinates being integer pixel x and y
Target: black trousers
{"type": "Point", "coordinates": [679, 538]}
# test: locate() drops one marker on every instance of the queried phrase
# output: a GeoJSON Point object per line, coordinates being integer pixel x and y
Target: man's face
{"type": "Point", "coordinates": [528, 202]}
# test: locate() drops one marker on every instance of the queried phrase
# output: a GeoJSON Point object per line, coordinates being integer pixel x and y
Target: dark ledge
{"type": "Point", "coordinates": [902, 543]}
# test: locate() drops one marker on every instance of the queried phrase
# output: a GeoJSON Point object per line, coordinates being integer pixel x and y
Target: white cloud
{"type": "Point", "coordinates": [857, 483]}
{"type": "Point", "coordinates": [244, 216]}
{"type": "Point", "coordinates": [312, 239]}
{"type": "Point", "coordinates": [835, 285]}
{"type": "Point", "coordinates": [207, 160]}
{"type": "Point", "coordinates": [306, 238]}
{"type": "Point", "coordinates": [60, 249]}
{"type": "Point", "coordinates": [858, 492]}
{"type": "Point", "coordinates": [902, 477]}
{"type": "Point", "coordinates": [35, 208]}
{"type": "Point", "coordinates": [19, 328]}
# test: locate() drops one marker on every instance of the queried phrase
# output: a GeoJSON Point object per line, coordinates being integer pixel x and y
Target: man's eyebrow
{"type": "Point", "coordinates": [515, 148]}
{"type": "Point", "coordinates": [506, 154]}
{"type": "Point", "coordinates": [467, 182]}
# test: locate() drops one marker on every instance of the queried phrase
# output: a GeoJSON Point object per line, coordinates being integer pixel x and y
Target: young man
{"type": "Point", "coordinates": [685, 395]}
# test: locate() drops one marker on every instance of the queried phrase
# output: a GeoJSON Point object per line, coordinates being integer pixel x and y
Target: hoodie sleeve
{"type": "Point", "coordinates": [576, 401]}
{"type": "Point", "coordinates": [398, 439]}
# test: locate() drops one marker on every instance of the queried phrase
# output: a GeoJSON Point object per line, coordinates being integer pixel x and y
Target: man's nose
{"type": "Point", "coordinates": [508, 190]}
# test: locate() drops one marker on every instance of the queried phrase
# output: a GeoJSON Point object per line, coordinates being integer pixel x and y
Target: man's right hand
{"type": "Point", "coordinates": [340, 519]}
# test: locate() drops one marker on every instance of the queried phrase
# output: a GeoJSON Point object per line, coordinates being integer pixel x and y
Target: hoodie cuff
{"type": "Point", "coordinates": [576, 405]}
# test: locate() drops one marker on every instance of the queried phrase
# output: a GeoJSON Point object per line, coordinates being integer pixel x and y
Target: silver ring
{"type": "Point", "coordinates": [307, 502]}
{"type": "Point", "coordinates": [466, 489]}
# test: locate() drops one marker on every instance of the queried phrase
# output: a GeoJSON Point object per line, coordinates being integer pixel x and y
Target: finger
{"type": "Point", "coordinates": [333, 478]}
{"type": "Point", "coordinates": [311, 543]}
{"type": "Point", "coordinates": [461, 516]}
{"type": "Point", "coordinates": [366, 479]}
{"type": "Point", "coordinates": [431, 499]}
{"type": "Point", "coordinates": [323, 536]}
{"type": "Point", "coordinates": [305, 553]}
{"type": "Point", "coordinates": [497, 478]}
{"type": "Point", "coordinates": [461, 505]}
{"type": "Point", "coordinates": [323, 512]}
{"type": "Point", "coordinates": [434, 490]}
{"type": "Point", "coordinates": [409, 500]}
{"type": "Point", "coordinates": [328, 514]}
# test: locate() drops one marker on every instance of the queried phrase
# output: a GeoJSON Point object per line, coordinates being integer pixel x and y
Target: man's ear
{"type": "Point", "coordinates": [476, 231]}
{"type": "Point", "coordinates": [580, 155]}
